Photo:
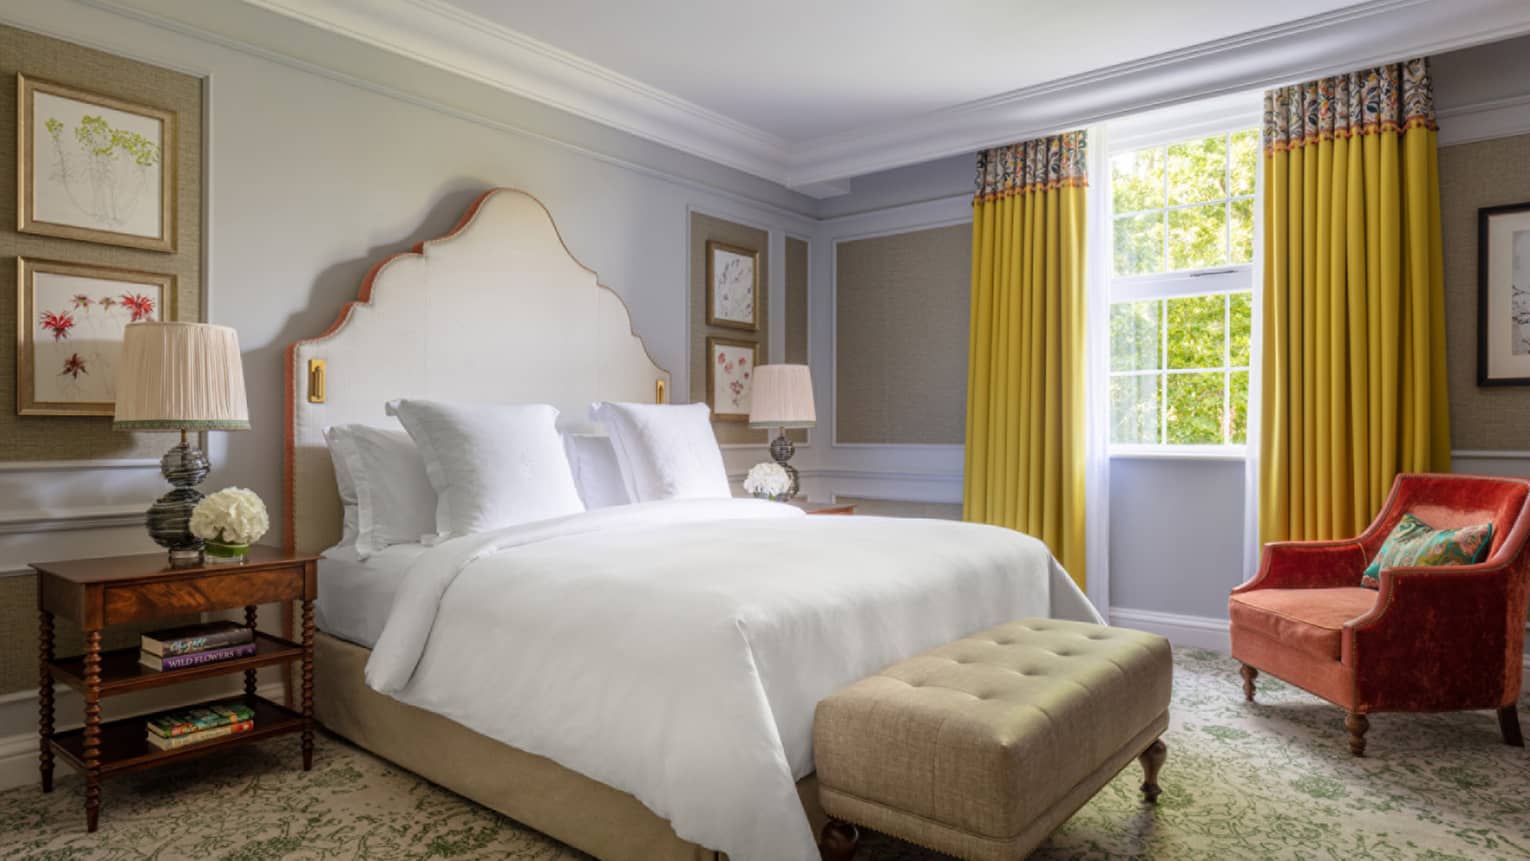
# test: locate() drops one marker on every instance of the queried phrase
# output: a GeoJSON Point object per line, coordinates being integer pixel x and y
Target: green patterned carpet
{"type": "Point", "coordinates": [1274, 780]}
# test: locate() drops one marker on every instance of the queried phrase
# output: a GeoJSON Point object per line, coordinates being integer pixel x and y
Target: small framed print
{"type": "Point", "coordinates": [730, 377]}
{"type": "Point", "coordinates": [94, 168]}
{"type": "Point", "coordinates": [69, 333]}
{"type": "Point", "coordinates": [733, 286]}
{"type": "Point", "coordinates": [1503, 295]}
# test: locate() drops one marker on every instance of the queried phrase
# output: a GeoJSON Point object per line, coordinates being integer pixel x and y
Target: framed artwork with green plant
{"type": "Point", "coordinates": [94, 168]}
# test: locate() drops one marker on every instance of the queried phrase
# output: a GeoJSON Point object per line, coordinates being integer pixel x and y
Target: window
{"type": "Point", "coordinates": [1181, 291]}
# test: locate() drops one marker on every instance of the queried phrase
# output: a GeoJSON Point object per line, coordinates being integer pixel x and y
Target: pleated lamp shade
{"type": "Point", "coordinates": [782, 397]}
{"type": "Point", "coordinates": [180, 376]}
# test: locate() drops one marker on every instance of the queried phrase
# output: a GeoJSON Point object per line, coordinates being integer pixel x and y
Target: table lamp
{"type": "Point", "coordinates": [180, 377]}
{"type": "Point", "coordinates": [782, 398]}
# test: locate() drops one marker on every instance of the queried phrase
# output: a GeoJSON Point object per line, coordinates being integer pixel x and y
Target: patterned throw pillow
{"type": "Point", "coordinates": [1414, 542]}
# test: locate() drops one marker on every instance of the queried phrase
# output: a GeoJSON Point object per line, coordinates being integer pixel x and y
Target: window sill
{"type": "Point", "coordinates": [1236, 453]}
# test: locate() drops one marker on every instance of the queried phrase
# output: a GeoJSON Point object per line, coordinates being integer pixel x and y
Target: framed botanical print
{"type": "Point", "coordinates": [69, 333]}
{"type": "Point", "coordinates": [730, 377]}
{"type": "Point", "coordinates": [1503, 295]}
{"type": "Point", "coordinates": [94, 168]}
{"type": "Point", "coordinates": [733, 286]}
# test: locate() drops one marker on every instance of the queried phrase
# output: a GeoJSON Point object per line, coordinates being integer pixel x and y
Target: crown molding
{"type": "Point", "coordinates": [441, 35]}
{"type": "Point", "coordinates": [1367, 34]}
{"type": "Point", "coordinates": [445, 37]}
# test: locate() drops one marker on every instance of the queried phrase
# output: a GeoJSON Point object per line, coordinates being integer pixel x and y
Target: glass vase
{"type": "Point", "coordinates": [219, 553]}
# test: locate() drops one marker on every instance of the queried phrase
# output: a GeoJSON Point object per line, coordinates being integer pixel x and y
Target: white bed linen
{"type": "Point", "coordinates": [678, 657]}
{"type": "Point", "coordinates": [355, 594]}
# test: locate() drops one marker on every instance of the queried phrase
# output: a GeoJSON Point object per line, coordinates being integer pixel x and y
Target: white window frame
{"type": "Point", "coordinates": [1160, 128]}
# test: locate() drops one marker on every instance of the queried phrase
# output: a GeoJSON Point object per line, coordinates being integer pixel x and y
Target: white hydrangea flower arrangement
{"type": "Point", "coordinates": [768, 481]}
{"type": "Point", "coordinates": [232, 516]}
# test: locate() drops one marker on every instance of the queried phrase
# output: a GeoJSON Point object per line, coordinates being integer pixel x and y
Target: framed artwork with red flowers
{"type": "Point", "coordinates": [69, 332]}
{"type": "Point", "coordinates": [730, 377]}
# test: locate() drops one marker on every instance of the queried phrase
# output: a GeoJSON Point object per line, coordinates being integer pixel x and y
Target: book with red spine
{"type": "Point", "coordinates": [171, 743]}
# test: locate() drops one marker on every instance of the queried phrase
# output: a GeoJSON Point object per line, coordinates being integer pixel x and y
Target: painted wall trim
{"type": "Point", "coordinates": [82, 517]}
{"type": "Point", "coordinates": [432, 32]}
{"type": "Point", "coordinates": [1490, 454]}
{"type": "Point", "coordinates": [1495, 118]}
{"type": "Point", "coordinates": [1200, 632]}
{"type": "Point", "coordinates": [89, 465]}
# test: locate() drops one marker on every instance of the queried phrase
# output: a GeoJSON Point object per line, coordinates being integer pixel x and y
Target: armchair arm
{"type": "Point", "coordinates": [1437, 638]}
{"type": "Point", "coordinates": [1308, 565]}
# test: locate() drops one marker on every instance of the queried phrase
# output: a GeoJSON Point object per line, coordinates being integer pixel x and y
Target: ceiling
{"type": "Point", "coordinates": [805, 69]}
{"type": "Point", "coordinates": [810, 93]}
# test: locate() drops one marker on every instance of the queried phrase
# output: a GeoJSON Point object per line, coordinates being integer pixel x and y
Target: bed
{"type": "Point", "coordinates": [635, 681]}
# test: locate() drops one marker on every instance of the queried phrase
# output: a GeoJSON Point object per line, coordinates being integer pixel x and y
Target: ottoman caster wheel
{"type": "Point", "coordinates": [838, 841]}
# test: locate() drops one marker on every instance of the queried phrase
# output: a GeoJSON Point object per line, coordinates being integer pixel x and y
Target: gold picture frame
{"type": "Point", "coordinates": [84, 315]}
{"type": "Point", "coordinates": [732, 264]}
{"type": "Point", "coordinates": [103, 176]}
{"type": "Point", "coordinates": [734, 378]}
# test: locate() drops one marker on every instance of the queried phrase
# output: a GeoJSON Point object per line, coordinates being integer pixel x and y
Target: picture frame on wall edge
{"type": "Point", "coordinates": [94, 168]}
{"type": "Point", "coordinates": [69, 324]}
{"type": "Point", "coordinates": [1503, 295]}
{"type": "Point", "coordinates": [730, 377]}
{"type": "Point", "coordinates": [733, 286]}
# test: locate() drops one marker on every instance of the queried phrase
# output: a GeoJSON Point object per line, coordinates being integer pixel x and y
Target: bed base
{"type": "Point", "coordinates": [533, 790]}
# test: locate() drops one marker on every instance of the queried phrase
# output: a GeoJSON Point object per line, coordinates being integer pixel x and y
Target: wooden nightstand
{"type": "Point", "coordinates": [824, 507]}
{"type": "Point", "coordinates": [95, 593]}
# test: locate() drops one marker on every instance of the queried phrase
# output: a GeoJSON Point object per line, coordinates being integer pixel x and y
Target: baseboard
{"type": "Point", "coordinates": [1201, 632]}
{"type": "Point", "coordinates": [18, 752]}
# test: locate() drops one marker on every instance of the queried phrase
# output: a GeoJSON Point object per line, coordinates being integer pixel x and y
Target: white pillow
{"type": "Point", "coordinates": [347, 488]}
{"type": "Point", "coordinates": [597, 473]}
{"type": "Point", "coordinates": [492, 465]}
{"type": "Point", "coordinates": [395, 503]}
{"type": "Point", "coordinates": [666, 451]}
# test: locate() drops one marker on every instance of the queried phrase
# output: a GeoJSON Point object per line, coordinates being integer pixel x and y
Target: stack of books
{"type": "Point", "coordinates": [193, 645]}
{"type": "Point", "coordinates": [201, 723]}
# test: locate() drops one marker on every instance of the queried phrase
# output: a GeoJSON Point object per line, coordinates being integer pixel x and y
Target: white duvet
{"type": "Point", "coordinates": [676, 650]}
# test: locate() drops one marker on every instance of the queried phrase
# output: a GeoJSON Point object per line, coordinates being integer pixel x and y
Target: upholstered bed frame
{"type": "Point", "coordinates": [497, 310]}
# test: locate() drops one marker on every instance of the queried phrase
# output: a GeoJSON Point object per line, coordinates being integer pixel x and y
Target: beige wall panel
{"type": "Point", "coordinates": [703, 229]}
{"type": "Point", "coordinates": [1474, 175]}
{"type": "Point", "coordinates": [77, 437]}
{"type": "Point", "coordinates": [901, 317]}
{"type": "Point", "coordinates": [796, 301]}
{"type": "Point", "coordinates": [896, 508]}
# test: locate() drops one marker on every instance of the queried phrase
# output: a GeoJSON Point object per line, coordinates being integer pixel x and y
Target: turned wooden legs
{"type": "Point", "coordinates": [1152, 760]}
{"type": "Point", "coordinates": [1357, 724]}
{"type": "Point", "coordinates": [1508, 724]}
{"type": "Point", "coordinates": [1249, 675]}
{"type": "Point", "coordinates": [92, 737]}
{"type": "Point", "coordinates": [249, 675]}
{"type": "Point", "coordinates": [307, 685]}
{"type": "Point", "coordinates": [838, 841]}
{"type": "Point", "coordinates": [45, 700]}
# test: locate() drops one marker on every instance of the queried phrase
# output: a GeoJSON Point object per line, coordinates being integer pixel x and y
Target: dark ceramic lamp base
{"type": "Point", "coordinates": [781, 450]}
{"type": "Point", "coordinates": [170, 516]}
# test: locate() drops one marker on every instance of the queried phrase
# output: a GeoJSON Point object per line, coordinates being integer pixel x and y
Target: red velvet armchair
{"type": "Point", "coordinates": [1442, 638]}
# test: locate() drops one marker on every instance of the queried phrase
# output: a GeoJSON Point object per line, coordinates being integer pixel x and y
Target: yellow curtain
{"type": "Point", "coordinates": [1025, 371]}
{"type": "Point", "coordinates": [1354, 322]}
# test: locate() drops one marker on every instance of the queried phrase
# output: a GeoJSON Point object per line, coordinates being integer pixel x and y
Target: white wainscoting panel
{"type": "Point", "coordinates": [1200, 632]}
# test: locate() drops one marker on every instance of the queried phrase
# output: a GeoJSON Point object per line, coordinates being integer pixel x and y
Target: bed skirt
{"type": "Point", "coordinates": [533, 790]}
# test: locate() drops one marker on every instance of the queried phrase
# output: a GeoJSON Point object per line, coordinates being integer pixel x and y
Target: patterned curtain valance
{"type": "Point", "coordinates": [1035, 165]}
{"type": "Point", "coordinates": [1394, 97]}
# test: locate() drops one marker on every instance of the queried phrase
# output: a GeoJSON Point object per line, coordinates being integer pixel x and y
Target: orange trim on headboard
{"type": "Point", "coordinates": [363, 296]}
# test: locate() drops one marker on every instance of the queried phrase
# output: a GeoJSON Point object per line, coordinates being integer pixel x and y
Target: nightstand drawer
{"type": "Point", "coordinates": [237, 588]}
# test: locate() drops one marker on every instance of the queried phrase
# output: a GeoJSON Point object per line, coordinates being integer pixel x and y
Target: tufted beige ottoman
{"type": "Point", "coordinates": [982, 747]}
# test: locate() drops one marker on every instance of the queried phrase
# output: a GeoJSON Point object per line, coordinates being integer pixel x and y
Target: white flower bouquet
{"type": "Point", "coordinates": [768, 481]}
{"type": "Point", "coordinates": [230, 521]}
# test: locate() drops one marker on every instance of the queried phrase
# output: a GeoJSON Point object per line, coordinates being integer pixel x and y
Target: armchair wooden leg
{"type": "Point", "coordinates": [1357, 724]}
{"type": "Point", "coordinates": [1508, 724]}
{"type": "Point", "coordinates": [1152, 760]}
{"type": "Point", "coordinates": [1249, 674]}
{"type": "Point", "coordinates": [838, 841]}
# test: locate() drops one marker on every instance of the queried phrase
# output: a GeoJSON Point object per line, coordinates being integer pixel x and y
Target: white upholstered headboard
{"type": "Point", "coordinates": [495, 311]}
